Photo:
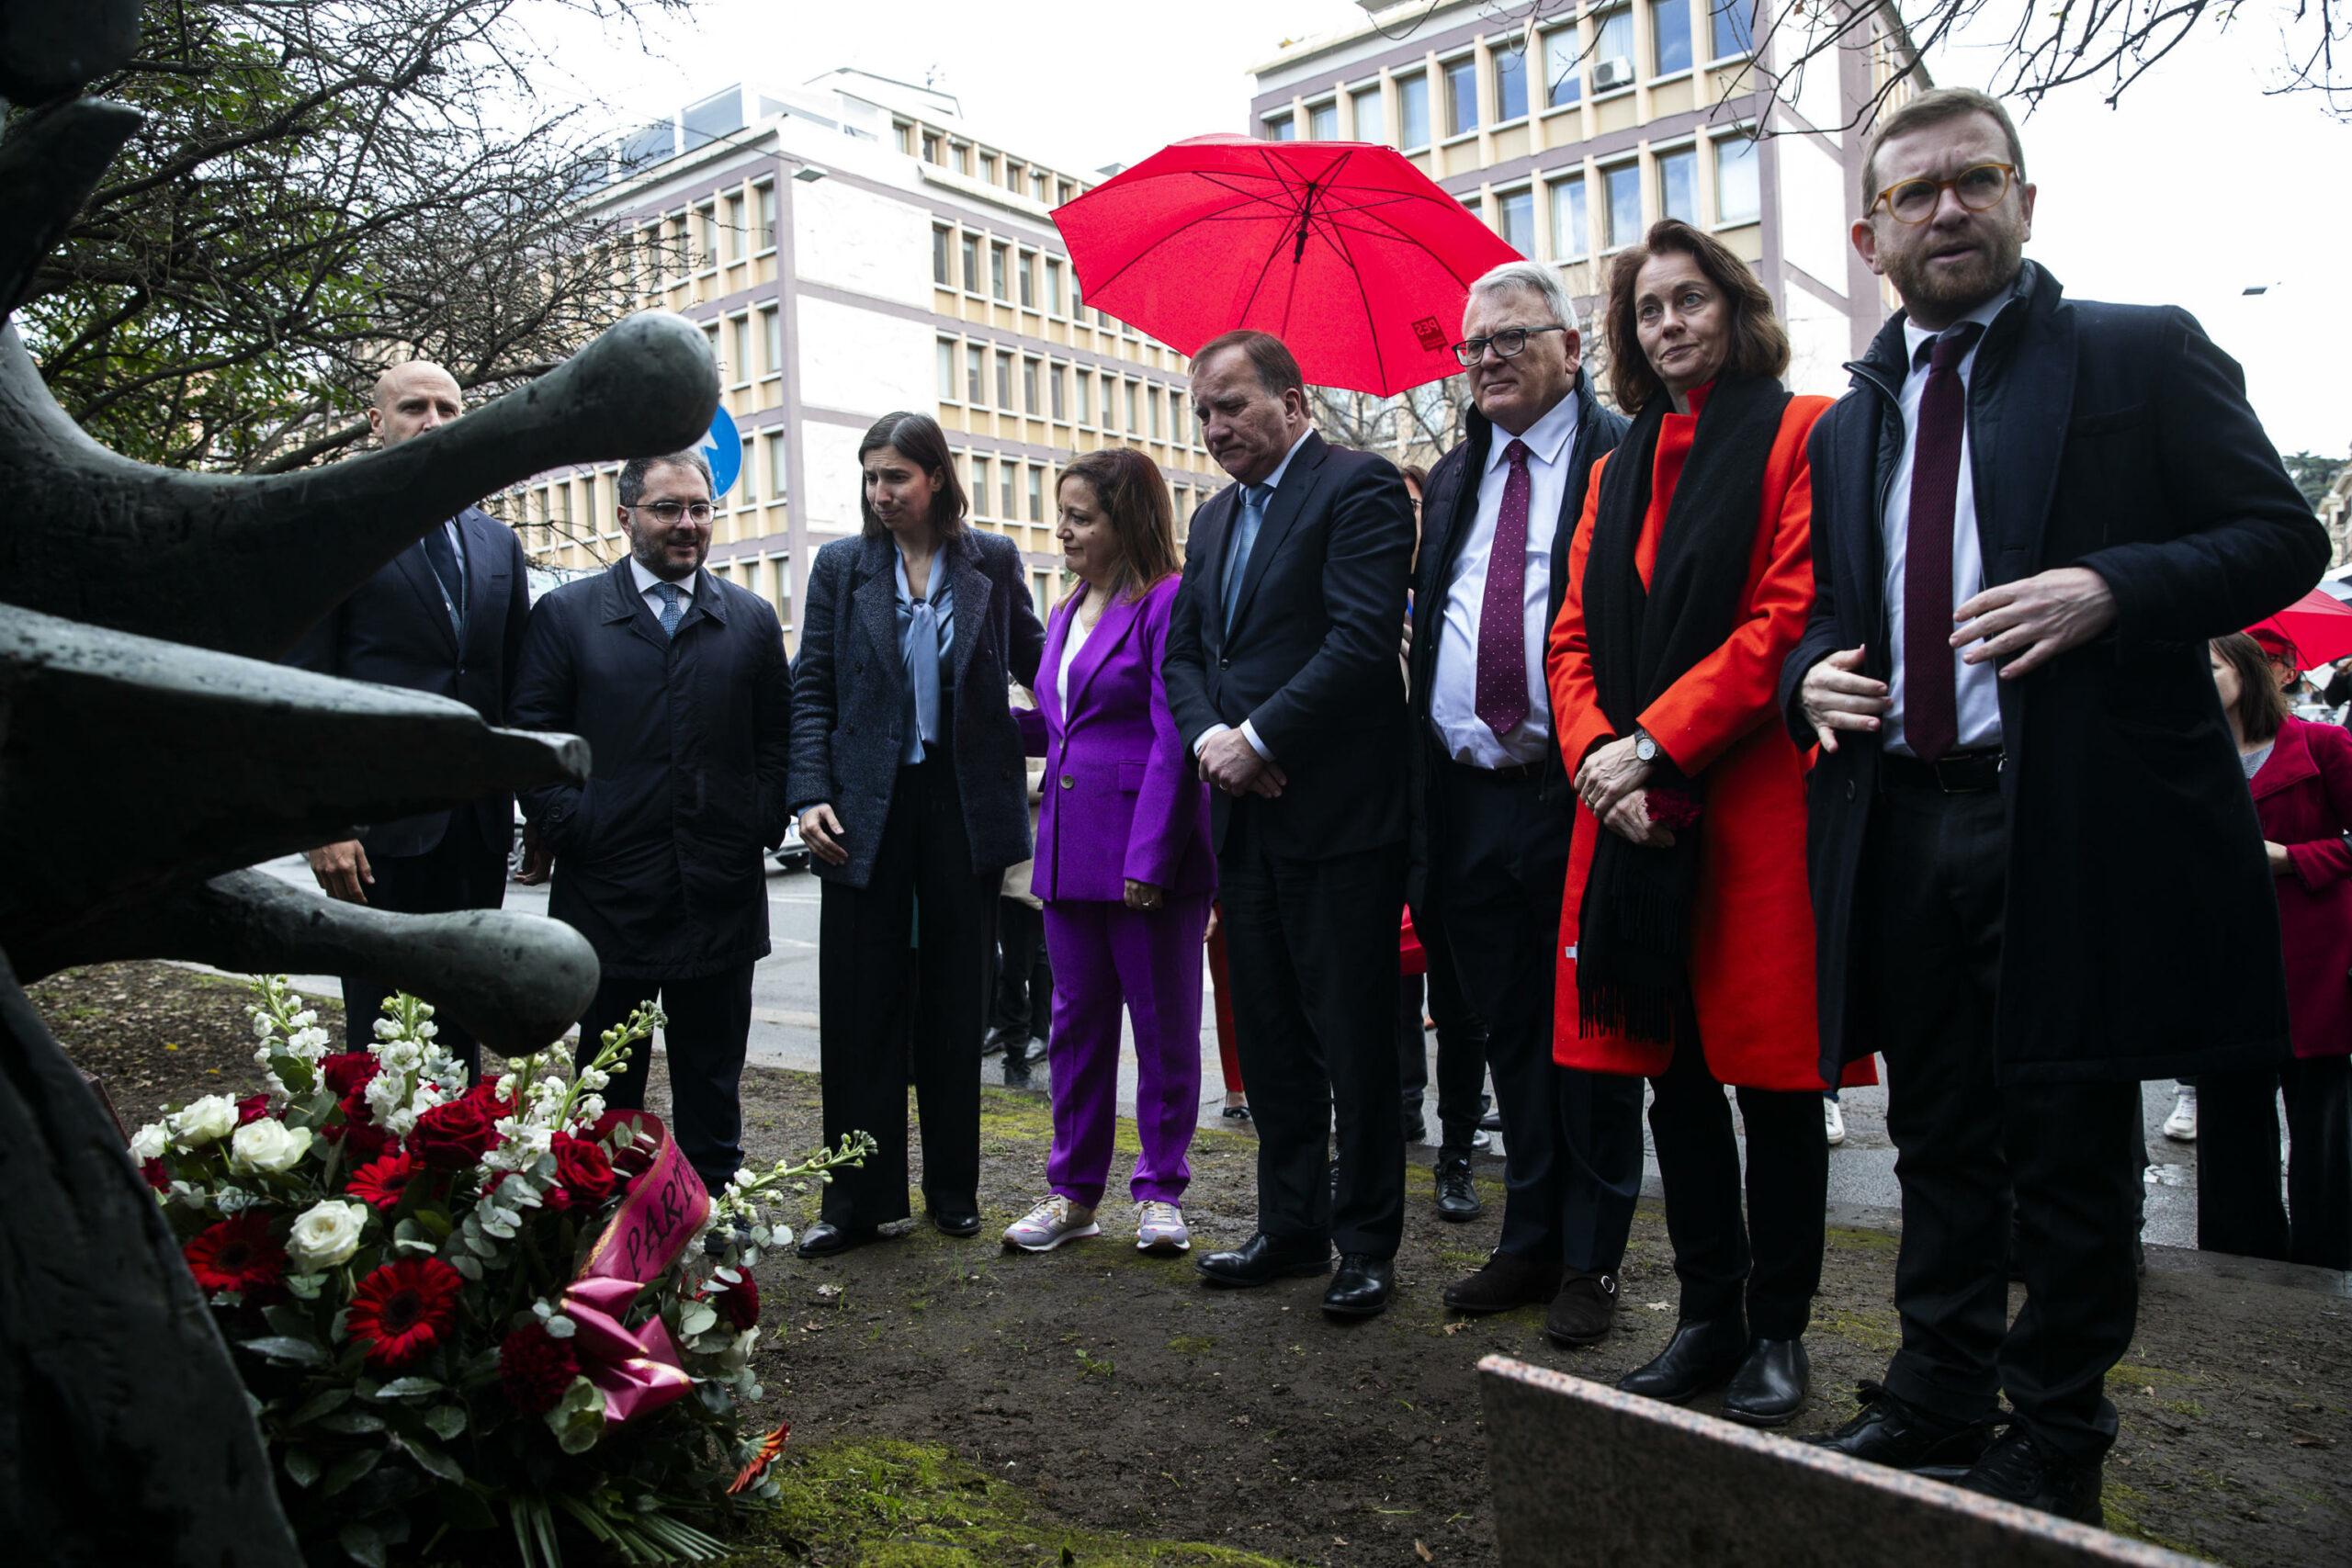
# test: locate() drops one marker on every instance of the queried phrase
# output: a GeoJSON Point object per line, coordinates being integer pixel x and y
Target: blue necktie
{"type": "Point", "coordinates": [1245, 539]}
{"type": "Point", "coordinates": [443, 561]}
{"type": "Point", "coordinates": [671, 607]}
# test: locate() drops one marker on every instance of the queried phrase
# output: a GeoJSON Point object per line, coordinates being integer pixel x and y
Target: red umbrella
{"type": "Point", "coordinates": [1342, 249]}
{"type": "Point", "coordinates": [2317, 629]}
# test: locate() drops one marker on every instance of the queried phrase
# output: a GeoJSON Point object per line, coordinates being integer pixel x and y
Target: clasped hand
{"type": "Point", "coordinates": [1229, 761]}
{"type": "Point", "coordinates": [1610, 782]}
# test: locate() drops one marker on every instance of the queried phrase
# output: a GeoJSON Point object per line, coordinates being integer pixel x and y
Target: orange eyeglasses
{"type": "Point", "coordinates": [1979, 188]}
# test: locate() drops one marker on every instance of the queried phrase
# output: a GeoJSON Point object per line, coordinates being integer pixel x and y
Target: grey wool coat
{"type": "Point", "coordinates": [849, 695]}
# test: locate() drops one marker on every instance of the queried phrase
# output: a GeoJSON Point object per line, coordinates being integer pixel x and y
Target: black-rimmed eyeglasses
{"type": "Point", "coordinates": [1507, 343]}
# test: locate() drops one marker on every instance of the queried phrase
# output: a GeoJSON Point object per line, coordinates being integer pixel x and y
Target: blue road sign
{"type": "Point", "coordinates": [724, 448]}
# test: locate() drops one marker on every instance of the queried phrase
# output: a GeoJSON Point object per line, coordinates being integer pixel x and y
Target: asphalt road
{"type": "Point", "coordinates": [1861, 1172]}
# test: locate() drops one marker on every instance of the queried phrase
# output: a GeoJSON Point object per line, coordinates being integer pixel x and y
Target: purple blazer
{"type": "Point", "coordinates": [1122, 800]}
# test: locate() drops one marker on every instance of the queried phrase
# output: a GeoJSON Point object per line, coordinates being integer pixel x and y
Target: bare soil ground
{"type": "Point", "coordinates": [951, 1402]}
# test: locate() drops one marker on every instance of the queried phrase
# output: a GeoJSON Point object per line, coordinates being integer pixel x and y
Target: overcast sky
{"type": "Point", "coordinates": [2195, 187]}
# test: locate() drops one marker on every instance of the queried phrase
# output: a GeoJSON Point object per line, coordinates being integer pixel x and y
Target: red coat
{"type": "Point", "coordinates": [1751, 942]}
{"type": "Point", "coordinates": [2303, 794]}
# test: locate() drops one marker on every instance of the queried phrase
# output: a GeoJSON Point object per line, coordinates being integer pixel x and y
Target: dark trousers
{"type": "Point", "coordinates": [2064, 1157]}
{"type": "Point", "coordinates": [902, 986]}
{"type": "Point", "coordinates": [2237, 1162]}
{"type": "Point", "coordinates": [707, 1020]}
{"type": "Point", "coordinates": [460, 873]}
{"type": "Point", "coordinates": [1572, 1141]}
{"type": "Point", "coordinates": [1313, 949]}
{"type": "Point", "coordinates": [1461, 1046]}
{"type": "Point", "coordinates": [1773, 1259]}
{"type": "Point", "coordinates": [1024, 1004]}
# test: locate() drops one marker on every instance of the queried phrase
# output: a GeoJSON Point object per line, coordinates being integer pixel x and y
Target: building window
{"type": "Point", "coordinates": [975, 372]}
{"type": "Point", "coordinates": [987, 167]}
{"type": "Point", "coordinates": [1671, 32]}
{"type": "Point", "coordinates": [1732, 27]}
{"type": "Point", "coordinates": [963, 151]}
{"type": "Point", "coordinates": [1677, 185]}
{"type": "Point", "coordinates": [1738, 198]}
{"type": "Point", "coordinates": [779, 467]}
{"type": "Point", "coordinates": [1004, 381]}
{"type": "Point", "coordinates": [1623, 188]}
{"type": "Point", "coordinates": [1323, 121]}
{"type": "Point", "coordinates": [1413, 111]}
{"type": "Point", "coordinates": [1036, 493]}
{"type": "Point", "coordinates": [1562, 79]}
{"type": "Point", "coordinates": [1012, 176]}
{"type": "Point", "coordinates": [1369, 125]}
{"type": "Point", "coordinates": [971, 264]}
{"type": "Point", "coordinates": [1053, 286]}
{"type": "Point", "coordinates": [1064, 193]}
{"type": "Point", "coordinates": [996, 271]}
{"type": "Point", "coordinates": [1037, 186]}
{"type": "Point", "coordinates": [1028, 271]}
{"type": "Point", "coordinates": [931, 149]}
{"type": "Point", "coordinates": [772, 335]}
{"type": "Point", "coordinates": [1510, 82]}
{"type": "Point", "coordinates": [905, 134]}
{"type": "Point", "coordinates": [1280, 129]}
{"type": "Point", "coordinates": [739, 338]}
{"type": "Point", "coordinates": [769, 238]}
{"type": "Point", "coordinates": [946, 371]}
{"type": "Point", "coordinates": [1460, 95]}
{"type": "Point", "coordinates": [940, 262]}
{"type": "Point", "coordinates": [979, 483]}
{"type": "Point", "coordinates": [748, 476]}
{"type": "Point", "coordinates": [705, 238]}
{"type": "Point", "coordinates": [1612, 52]}
{"type": "Point", "coordinates": [1007, 480]}
{"type": "Point", "coordinates": [1570, 228]}
{"type": "Point", "coordinates": [1159, 428]}
{"type": "Point", "coordinates": [1029, 385]}
{"type": "Point", "coordinates": [735, 235]}
{"type": "Point", "coordinates": [1054, 392]}
{"type": "Point", "coordinates": [1515, 213]}
{"type": "Point", "coordinates": [1086, 397]}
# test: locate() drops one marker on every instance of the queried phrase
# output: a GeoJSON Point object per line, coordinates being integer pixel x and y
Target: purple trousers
{"type": "Point", "coordinates": [1105, 955]}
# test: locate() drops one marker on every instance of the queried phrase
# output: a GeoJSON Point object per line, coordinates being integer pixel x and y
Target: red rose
{"type": "Point", "coordinates": [348, 1072]}
{"type": "Point", "coordinates": [485, 1094]}
{"type": "Point", "coordinates": [636, 1160]}
{"type": "Point", "coordinates": [401, 1310]}
{"type": "Point", "coordinates": [252, 1107]}
{"type": "Point", "coordinates": [381, 1183]}
{"type": "Point", "coordinates": [739, 1304]}
{"type": "Point", "coordinates": [453, 1136]}
{"type": "Point", "coordinates": [238, 1254]}
{"type": "Point", "coordinates": [535, 1367]}
{"type": "Point", "coordinates": [582, 1168]}
{"type": "Point", "coordinates": [157, 1177]}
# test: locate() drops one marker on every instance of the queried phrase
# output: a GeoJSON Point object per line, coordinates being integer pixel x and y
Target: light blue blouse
{"type": "Point", "coordinates": [926, 633]}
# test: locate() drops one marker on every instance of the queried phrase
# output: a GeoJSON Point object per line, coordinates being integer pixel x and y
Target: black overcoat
{"type": "Point", "coordinates": [659, 858]}
{"type": "Point", "coordinates": [2141, 934]}
{"type": "Point", "coordinates": [849, 695]}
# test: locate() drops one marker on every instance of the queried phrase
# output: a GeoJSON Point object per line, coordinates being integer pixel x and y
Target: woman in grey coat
{"type": "Point", "coordinates": [907, 777]}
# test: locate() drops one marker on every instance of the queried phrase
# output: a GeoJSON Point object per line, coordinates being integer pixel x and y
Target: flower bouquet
{"type": "Point", "coordinates": [474, 1308]}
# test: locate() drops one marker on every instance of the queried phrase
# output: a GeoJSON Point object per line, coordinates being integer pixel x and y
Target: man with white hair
{"type": "Point", "coordinates": [1492, 803]}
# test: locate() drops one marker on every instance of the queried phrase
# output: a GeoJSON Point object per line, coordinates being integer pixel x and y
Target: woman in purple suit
{"type": "Point", "coordinates": [1124, 863]}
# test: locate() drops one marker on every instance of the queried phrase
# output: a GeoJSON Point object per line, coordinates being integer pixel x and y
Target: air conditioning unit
{"type": "Point", "coordinates": [1609, 74]}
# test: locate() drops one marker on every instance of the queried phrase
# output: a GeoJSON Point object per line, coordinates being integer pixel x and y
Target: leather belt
{"type": "Point", "coordinates": [1955, 772]}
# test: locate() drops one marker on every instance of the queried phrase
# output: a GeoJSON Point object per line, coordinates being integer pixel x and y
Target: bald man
{"type": "Point", "coordinates": [446, 615]}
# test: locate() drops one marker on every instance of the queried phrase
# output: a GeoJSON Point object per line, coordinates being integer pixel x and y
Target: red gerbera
{"type": "Point", "coordinates": [770, 1445]}
{"type": "Point", "coordinates": [381, 1183]}
{"type": "Point", "coordinates": [238, 1254]}
{"type": "Point", "coordinates": [536, 1369]}
{"type": "Point", "coordinates": [401, 1309]}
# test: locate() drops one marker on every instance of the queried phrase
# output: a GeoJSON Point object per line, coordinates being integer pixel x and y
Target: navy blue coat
{"type": "Point", "coordinates": [394, 630]}
{"type": "Point", "coordinates": [2141, 937]}
{"type": "Point", "coordinates": [660, 859]}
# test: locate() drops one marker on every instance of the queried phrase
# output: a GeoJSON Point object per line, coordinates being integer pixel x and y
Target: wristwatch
{"type": "Point", "coordinates": [1645, 746]}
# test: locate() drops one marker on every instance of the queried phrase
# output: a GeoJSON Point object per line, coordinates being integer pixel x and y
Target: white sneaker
{"type": "Point", "coordinates": [1160, 1227]}
{"type": "Point", "coordinates": [1050, 1224]}
{"type": "Point", "coordinates": [2181, 1125]}
{"type": "Point", "coordinates": [1833, 1122]}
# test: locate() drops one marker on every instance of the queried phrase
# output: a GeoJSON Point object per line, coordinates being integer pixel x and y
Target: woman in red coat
{"type": "Point", "coordinates": [2302, 777]}
{"type": "Point", "coordinates": [1686, 931]}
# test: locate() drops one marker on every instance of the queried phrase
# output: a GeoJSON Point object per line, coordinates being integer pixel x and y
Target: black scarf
{"type": "Point", "coordinates": [1633, 943]}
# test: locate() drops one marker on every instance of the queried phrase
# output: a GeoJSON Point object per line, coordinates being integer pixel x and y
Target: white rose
{"type": "Point", "coordinates": [199, 1121]}
{"type": "Point", "coordinates": [326, 1233]}
{"type": "Point", "coordinates": [149, 1142]}
{"type": "Point", "coordinates": [267, 1144]}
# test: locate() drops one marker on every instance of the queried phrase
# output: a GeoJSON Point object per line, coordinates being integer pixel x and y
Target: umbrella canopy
{"type": "Point", "coordinates": [1342, 249]}
{"type": "Point", "coordinates": [2316, 628]}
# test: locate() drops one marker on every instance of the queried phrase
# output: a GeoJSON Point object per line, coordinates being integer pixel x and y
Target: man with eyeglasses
{"type": "Point", "coordinates": [678, 682]}
{"type": "Point", "coordinates": [445, 616]}
{"type": "Point", "coordinates": [1492, 805]}
{"type": "Point", "coordinates": [2037, 875]}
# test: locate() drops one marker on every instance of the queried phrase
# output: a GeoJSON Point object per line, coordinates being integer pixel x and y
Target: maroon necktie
{"type": "Point", "coordinates": [1930, 712]}
{"type": "Point", "coordinates": [1501, 692]}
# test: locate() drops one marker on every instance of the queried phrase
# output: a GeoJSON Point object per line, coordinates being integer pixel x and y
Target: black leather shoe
{"type": "Point", "coordinates": [1505, 1282]}
{"type": "Point", "coordinates": [1770, 1386]}
{"type": "Point", "coordinates": [1000, 1038]}
{"type": "Point", "coordinates": [1584, 1311]}
{"type": "Point", "coordinates": [1362, 1286]}
{"type": "Point", "coordinates": [1262, 1259]}
{"type": "Point", "coordinates": [1457, 1194]}
{"type": "Point", "coordinates": [954, 1223]}
{"type": "Point", "coordinates": [1700, 1356]}
{"type": "Point", "coordinates": [1016, 1072]}
{"type": "Point", "coordinates": [1901, 1436]}
{"type": "Point", "coordinates": [2017, 1468]}
{"type": "Point", "coordinates": [824, 1238]}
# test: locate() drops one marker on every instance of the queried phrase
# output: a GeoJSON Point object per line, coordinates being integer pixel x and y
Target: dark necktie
{"type": "Point", "coordinates": [1249, 516]}
{"type": "Point", "coordinates": [1500, 700]}
{"type": "Point", "coordinates": [443, 561]}
{"type": "Point", "coordinates": [1931, 710]}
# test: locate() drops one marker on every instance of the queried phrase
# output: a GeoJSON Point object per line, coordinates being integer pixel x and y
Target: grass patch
{"type": "Point", "coordinates": [1874, 1331]}
{"type": "Point", "coordinates": [2121, 1505]}
{"type": "Point", "coordinates": [1854, 1238]}
{"type": "Point", "coordinates": [1192, 1344]}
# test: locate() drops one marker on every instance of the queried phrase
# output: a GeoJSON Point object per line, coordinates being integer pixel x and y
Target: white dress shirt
{"type": "Point", "coordinates": [1453, 690]}
{"type": "Point", "coordinates": [1976, 692]}
{"type": "Point", "coordinates": [645, 582]}
{"type": "Point", "coordinates": [1074, 635]}
{"type": "Point", "coordinates": [1272, 482]}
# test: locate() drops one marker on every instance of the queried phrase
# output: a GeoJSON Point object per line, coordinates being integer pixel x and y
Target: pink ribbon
{"type": "Point", "coordinates": [637, 1370]}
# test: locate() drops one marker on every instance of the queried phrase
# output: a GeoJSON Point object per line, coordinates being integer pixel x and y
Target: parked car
{"type": "Point", "coordinates": [794, 854]}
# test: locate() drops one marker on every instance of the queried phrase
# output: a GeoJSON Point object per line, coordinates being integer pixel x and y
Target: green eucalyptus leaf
{"type": "Point", "coordinates": [354, 1422]}
{"type": "Point", "coordinates": [445, 1421]}
{"type": "Point", "coordinates": [348, 1469]}
{"type": "Point", "coordinates": [431, 1460]}
{"type": "Point", "coordinates": [408, 1388]}
{"type": "Point", "coordinates": [319, 1404]}
{"type": "Point", "coordinates": [302, 1466]}
{"type": "Point", "coordinates": [279, 1348]}
{"type": "Point", "coordinates": [365, 1544]}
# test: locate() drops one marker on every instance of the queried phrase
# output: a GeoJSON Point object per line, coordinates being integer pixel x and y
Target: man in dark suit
{"type": "Point", "coordinates": [678, 682]}
{"type": "Point", "coordinates": [1492, 803]}
{"type": "Point", "coordinates": [2037, 876]}
{"type": "Point", "coordinates": [445, 615]}
{"type": "Point", "coordinates": [1282, 672]}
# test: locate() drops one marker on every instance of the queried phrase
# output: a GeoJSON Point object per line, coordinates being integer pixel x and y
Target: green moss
{"type": "Point", "coordinates": [892, 1504]}
{"type": "Point", "coordinates": [2122, 1505]}
{"type": "Point", "coordinates": [1858, 1239]}
{"type": "Point", "coordinates": [1192, 1344]}
{"type": "Point", "coordinates": [2137, 1375]}
{"type": "Point", "coordinates": [1874, 1331]}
